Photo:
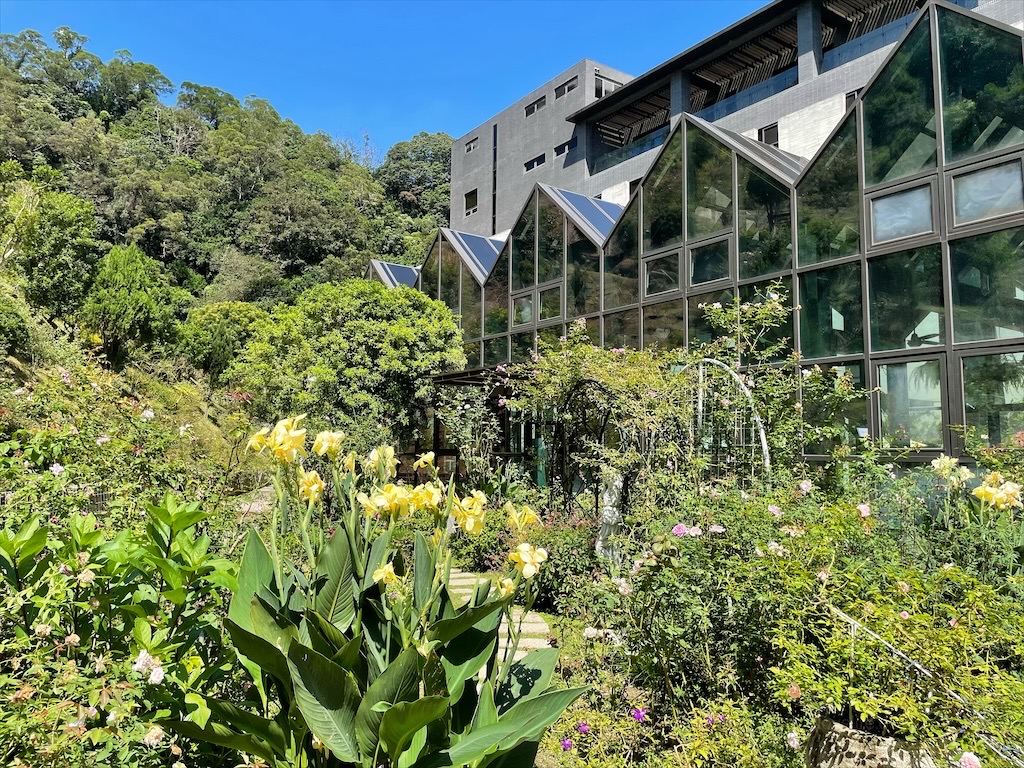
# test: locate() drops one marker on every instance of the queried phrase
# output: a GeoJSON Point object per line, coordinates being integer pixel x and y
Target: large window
{"type": "Point", "coordinates": [828, 201]}
{"type": "Point", "coordinates": [708, 185]}
{"type": "Point", "coordinates": [661, 275]}
{"type": "Point", "coordinates": [831, 312]}
{"type": "Point", "coordinates": [496, 297]}
{"type": "Point", "coordinates": [496, 351]}
{"type": "Point", "coordinates": [988, 286]}
{"type": "Point", "coordinates": [699, 328]}
{"type": "Point", "coordinates": [431, 271]}
{"type": "Point", "coordinates": [665, 325]}
{"type": "Point", "coordinates": [621, 262]}
{"type": "Point", "coordinates": [622, 330]}
{"type": "Point", "coordinates": [840, 426]}
{"type": "Point", "coordinates": [910, 403]}
{"type": "Point", "coordinates": [994, 398]}
{"type": "Point", "coordinates": [472, 300]}
{"type": "Point", "coordinates": [766, 236]}
{"type": "Point", "coordinates": [899, 112]}
{"type": "Point", "coordinates": [709, 262]}
{"type": "Point", "coordinates": [583, 280]}
{"type": "Point", "coordinates": [550, 237]}
{"type": "Point", "coordinates": [902, 214]}
{"type": "Point", "coordinates": [523, 266]}
{"type": "Point", "coordinates": [663, 198]}
{"type": "Point", "coordinates": [450, 263]}
{"type": "Point", "coordinates": [988, 193]}
{"type": "Point", "coordinates": [906, 300]}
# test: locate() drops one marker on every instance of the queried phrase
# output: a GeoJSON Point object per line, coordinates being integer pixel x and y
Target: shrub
{"type": "Point", "coordinates": [14, 338]}
{"type": "Point", "coordinates": [213, 334]}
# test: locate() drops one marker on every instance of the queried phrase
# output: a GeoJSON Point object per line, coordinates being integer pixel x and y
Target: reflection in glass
{"type": "Point", "coordinates": [549, 240]}
{"type": "Point", "coordinates": [699, 328]}
{"type": "Point", "coordinates": [899, 112]}
{"type": "Point", "coordinates": [665, 325]}
{"type": "Point", "coordinates": [523, 247]}
{"type": "Point", "coordinates": [663, 198]}
{"type": "Point", "coordinates": [522, 309]}
{"type": "Point", "coordinates": [583, 281]}
{"type": "Point", "coordinates": [901, 215]}
{"type": "Point", "coordinates": [988, 286]}
{"type": "Point", "coordinates": [551, 303]}
{"type": "Point", "coordinates": [496, 296]}
{"type": "Point", "coordinates": [830, 312]}
{"type": "Point", "coordinates": [708, 184]}
{"type": "Point", "coordinates": [662, 274]}
{"type": "Point", "coordinates": [472, 353]}
{"type": "Point", "coordinates": [994, 398]}
{"type": "Point", "coordinates": [760, 293]}
{"type": "Point", "coordinates": [910, 398]}
{"type": "Point", "coordinates": [450, 263]}
{"type": "Point", "coordinates": [766, 237]}
{"type": "Point", "coordinates": [709, 262]}
{"type": "Point", "coordinates": [471, 305]}
{"type": "Point", "coordinates": [828, 202]}
{"type": "Point", "coordinates": [496, 351]}
{"type": "Point", "coordinates": [431, 271]}
{"type": "Point", "coordinates": [987, 193]}
{"type": "Point", "coordinates": [982, 77]}
{"type": "Point", "coordinates": [552, 336]}
{"type": "Point", "coordinates": [906, 299]}
{"type": "Point", "coordinates": [850, 419]}
{"type": "Point", "coordinates": [522, 347]}
{"type": "Point", "coordinates": [622, 330]}
{"type": "Point", "coordinates": [621, 282]}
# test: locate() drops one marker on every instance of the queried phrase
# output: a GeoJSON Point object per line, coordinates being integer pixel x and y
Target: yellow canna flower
{"type": "Point", "coordinates": [528, 559]}
{"type": "Point", "coordinates": [259, 441]}
{"type": "Point", "coordinates": [397, 501]}
{"type": "Point", "coordinates": [944, 465]}
{"type": "Point", "coordinates": [349, 462]}
{"type": "Point", "coordinates": [371, 506]}
{"type": "Point", "coordinates": [328, 444]}
{"type": "Point", "coordinates": [518, 520]}
{"type": "Point", "coordinates": [286, 441]}
{"type": "Point", "coordinates": [506, 587]}
{"type": "Point", "coordinates": [385, 574]}
{"type": "Point", "coordinates": [999, 493]}
{"type": "Point", "coordinates": [469, 513]}
{"type": "Point", "coordinates": [311, 487]}
{"type": "Point", "coordinates": [426, 496]}
{"type": "Point", "coordinates": [381, 460]}
{"type": "Point", "coordinates": [424, 461]}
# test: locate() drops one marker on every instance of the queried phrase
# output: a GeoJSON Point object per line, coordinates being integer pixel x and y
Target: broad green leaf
{"type": "Point", "coordinates": [327, 697]}
{"type": "Point", "coordinates": [259, 651]}
{"type": "Point", "coordinates": [423, 579]}
{"type": "Point", "coordinates": [269, 731]}
{"type": "Point", "coordinates": [255, 572]}
{"type": "Point", "coordinates": [335, 599]}
{"type": "Point", "coordinates": [376, 558]}
{"type": "Point", "coordinates": [279, 633]}
{"type": "Point", "coordinates": [486, 712]}
{"type": "Point", "coordinates": [464, 656]}
{"type": "Point", "coordinates": [406, 718]}
{"type": "Point", "coordinates": [527, 678]}
{"type": "Point", "coordinates": [412, 754]}
{"type": "Point", "coordinates": [221, 735]}
{"type": "Point", "coordinates": [198, 712]}
{"type": "Point", "coordinates": [400, 681]}
{"type": "Point", "coordinates": [447, 629]}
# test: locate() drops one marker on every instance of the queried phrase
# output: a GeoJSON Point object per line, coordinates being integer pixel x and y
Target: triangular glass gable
{"type": "Point", "coordinates": [523, 247]}
{"type": "Point", "coordinates": [496, 296]}
{"type": "Point", "coordinates": [708, 184]}
{"type": "Point", "coordinates": [982, 76]}
{"type": "Point", "coordinates": [828, 200]}
{"type": "Point", "coordinates": [550, 237]}
{"type": "Point", "coordinates": [663, 197]}
{"type": "Point", "coordinates": [763, 216]}
{"type": "Point", "coordinates": [450, 270]}
{"type": "Point", "coordinates": [430, 273]}
{"type": "Point", "coordinates": [622, 259]}
{"type": "Point", "coordinates": [899, 112]}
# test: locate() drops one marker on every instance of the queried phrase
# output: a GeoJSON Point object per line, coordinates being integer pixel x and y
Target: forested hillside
{"type": "Point", "coordinates": [230, 199]}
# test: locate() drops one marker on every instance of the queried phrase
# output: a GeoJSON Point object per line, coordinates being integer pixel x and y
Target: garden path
{"type": "Point", "coordinates": [535, 630]}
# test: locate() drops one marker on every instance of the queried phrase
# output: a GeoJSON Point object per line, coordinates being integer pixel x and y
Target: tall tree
{"type": "Point", "coordinates": [418, 173]}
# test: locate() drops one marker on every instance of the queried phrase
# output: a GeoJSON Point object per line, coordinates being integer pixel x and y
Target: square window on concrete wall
{"type": "Point", "coordinates": [988, 286]}
{"type": "Point", "coordinates": [910, 403]}
{"type": "Point", "coordinates": [988, 193]}
{"type": "Point", "coordinates": [831, 312]}
{"type": "Point", "coordinates": [906, 307]}
{"type": "Point", "coordinates": [994, 398]}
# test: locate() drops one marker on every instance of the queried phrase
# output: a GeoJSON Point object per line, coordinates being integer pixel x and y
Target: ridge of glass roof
{"type": "Point", "coordinates": [784, 165]}
{"type": "Point", "coordinates": [595, 218]}
{"type": "Point", "coordinates": [477, 252]}
{"type": "Point", "coordinates": [394, 275]}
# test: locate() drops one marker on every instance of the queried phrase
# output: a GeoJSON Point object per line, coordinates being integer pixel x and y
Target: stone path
{"type": "Point", "coordinates": [535, 629]}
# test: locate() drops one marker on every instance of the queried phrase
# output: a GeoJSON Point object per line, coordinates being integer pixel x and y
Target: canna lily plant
{"type": "Point", "coordinates": [359, 658]}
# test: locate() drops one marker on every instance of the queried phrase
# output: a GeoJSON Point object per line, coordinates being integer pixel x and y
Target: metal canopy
{"type": "Point", "coordinates": [477, 252]}
{"type": "Point", "coordinates": [636, 119]}
{"type": "Point", "coordinates": [393, 275]}
{"type": "Point", "coordinates": [787, 167]}
{"type": "Point", "coordinates": [594, 218]}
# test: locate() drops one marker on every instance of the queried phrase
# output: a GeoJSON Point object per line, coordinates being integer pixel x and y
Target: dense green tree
{"type": "Point", "coordinates": [355, 355]}
{"type": "Point", "coordinates": [214, 333]}
{"type": "Point", "coordinates": [417, 174]}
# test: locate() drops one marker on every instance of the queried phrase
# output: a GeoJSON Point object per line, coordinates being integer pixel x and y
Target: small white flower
{"type": "Point", "coordinates": [793, 740]}
{"type": "Point", "coordinates": [143, 662]}
{"type": "Point", "coordinates": [42, 630]}
{"type": "Point", "coordinates": [153, 737]}
{"type": "Point", "coordinates": [148, 415]}
{"type": "Point", "coordinates": [102, 440]}
{"type": "Point", "coordinates": [156, 676]}
{"type": "Point", "coordinates": [183, 429]}
{"type": "Point", "coordinates": [591, 633]}
{"type": "Point", "coordinates": [57, 469]}
{"type": "Point", "coordinates": [86, 577]}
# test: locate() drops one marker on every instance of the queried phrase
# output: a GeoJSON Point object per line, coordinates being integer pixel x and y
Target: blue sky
{"type": "Point", "coordinates": [387, 69]}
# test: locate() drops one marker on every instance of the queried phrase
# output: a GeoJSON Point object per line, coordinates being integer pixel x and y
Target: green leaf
{"type": "Point", "coordinates": [486, 712]}
{"type": "Point", "coordinates": [464, 656]}
{"type": "Point", "coordinates": [527, 678]}
{"type": "Point", "coordinates": [269, 731]}
{"type": "Point", "coordinates": [335, 598]}
{"type": "Point", "coordinates": [198, 712]}
{"type": "Point", "coordinates": [412, 753]}
{"type": "Point", "coordinates": [328, 698]}
{"type": "Point", "coordinates": [406, 718]}
{"type": "Point", "coordinates": [221, 735]}
{"type": "Point", "coordinates": [259, 651]}
{"type": "Point", "coordinates": [376, 558]}
{"type": "Point", "coordinates": [400, 681]}
{"type": "Point", "coordinates": [447, 629]}
{"type": "Point", "coordinates": [276, 631]}
{"type": "Point", "coordinates": [423, 579]}
{"type": "Point", "coordinates": [256, 571]}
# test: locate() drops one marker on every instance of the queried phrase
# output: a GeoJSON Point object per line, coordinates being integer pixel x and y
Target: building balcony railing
{"type": "Point", "coordinates": [646, 143]}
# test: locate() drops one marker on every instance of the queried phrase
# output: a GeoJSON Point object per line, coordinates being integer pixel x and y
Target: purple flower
{"type": "Point", "coordinates": [583, 727]}
{"type": "Point", "coordinates": [680, 530]}
{"type": "Point", "coordinates": [721, 718]}
{"type": "Point", "coordinates": [566, 744]}
{"type": "Point", "coordinates": [639, 713]}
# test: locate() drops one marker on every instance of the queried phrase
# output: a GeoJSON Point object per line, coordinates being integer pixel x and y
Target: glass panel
{"type": "Point", "coordinates": [708, 185]}
{"type": "Point", "coordinates": [622, 330]}
{"type": "Point", "coordinates": [551, 303]}
{"type": "Point", "coordinates": [850, 418]}
{"type": "Point", "coordinates": [910, 398]}
{"type": "Point", "coordinates": [987, 193]}
{"type": "Point", "coordinates": [496, 351]}
{"type": "Point", "coordinates": [550, 236]}
{"type": "Point", "coordinates": [472, 353]}
{"type": "Point", "coordinates": [662, 274]}
{"type": "Point", "coordinates": [552, 336]}
{"type": "Point", "coordinates": [759, 293]}
{"type": "Point", "coordinates": [988, 286]}
{"type": "Point", "coordinates": [665, 325]}
{"type": "Point", "coordinates": [583, 283]}
{"type": "Point", "coordinates": [899, 113]}
{"type": "Point", "coordinates": [831, 320]}
{"type": "Point", "coordinates": [522, 309]}
{"type": "Point", "coordinates": [901, 215]}
{"type": "Point", "coordinates": [431, 271]}
{"type": "Point", "coordinates": [621, 282]}
{"type": "Point", "coordinates": [592, 326]}
{"type": "Point", "coordinates": [471, 302]}
{"type": "Point", "coordinates": [496, 296]}
{"type": "Point", "coordinates": [523, 247]}
{"type": "Point", "coordinates": [709, 262]}
{"type": "Point", "coordinates": [828, 203]}
{"type": "Point", "coordinates": [663, 198]}
{"type": "Point", "coordinates": [766, 232]}
{"type": "Point", "coordinates": [450, 263]}
{"type": "Point", "coordinates": [906, 299]}
{"type": "Point", "coordinates": [994, 398]}
{"type": "Point", "coordinates": [522, 347]}
{"type": "Point", "coordinates": [700, 330]}
{"type": "Point", "coordinates": [982, 78]}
